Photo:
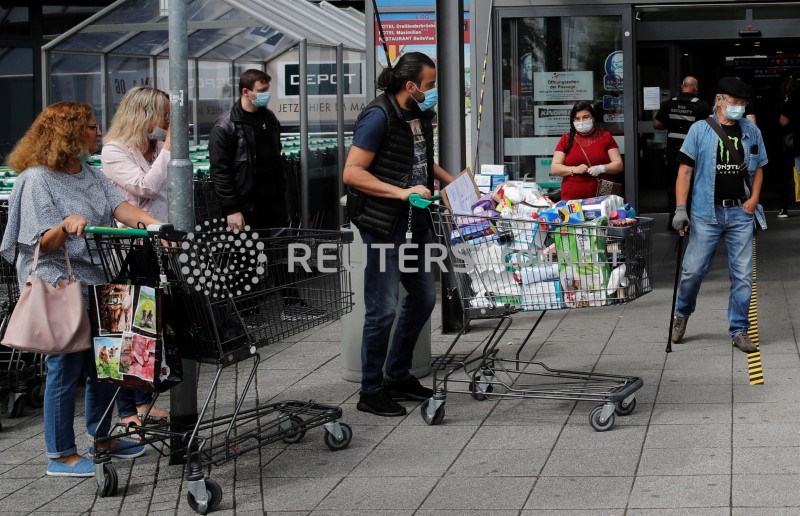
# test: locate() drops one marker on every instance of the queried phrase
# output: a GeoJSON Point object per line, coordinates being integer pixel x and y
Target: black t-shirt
{"type": "Point", "coordinates": [266, 185]}
{"type": "Point", "coordinates": [728, 181]}
{"type": "Point", "coordinates": [678, 114]}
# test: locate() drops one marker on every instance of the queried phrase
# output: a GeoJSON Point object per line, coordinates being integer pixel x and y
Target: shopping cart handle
{"type": "Point", "coordinates": [417, 201]}
{"type": "Point", "coordinates": [163, 231]}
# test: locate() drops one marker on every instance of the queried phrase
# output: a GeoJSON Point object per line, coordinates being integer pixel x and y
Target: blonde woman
{"type": "Point", "coordinates": [135, 157]}
{"type": "Point", "coordinates": [136, 149]}
{"type": "Point", "coordinates": [54, 198]}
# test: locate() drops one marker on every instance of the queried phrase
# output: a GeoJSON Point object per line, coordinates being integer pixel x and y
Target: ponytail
{"type": "Point", "coordinates": [408, 68]}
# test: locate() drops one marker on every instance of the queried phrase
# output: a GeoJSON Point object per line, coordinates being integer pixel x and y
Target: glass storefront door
{"type": "Point", "coordinates": [551, 59]}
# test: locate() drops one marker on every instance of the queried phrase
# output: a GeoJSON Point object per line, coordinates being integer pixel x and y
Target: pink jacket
{"type": "Point", "coordinates": [142, 184]}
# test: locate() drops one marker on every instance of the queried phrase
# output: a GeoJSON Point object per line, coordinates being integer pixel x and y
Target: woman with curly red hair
{"type": "Point", "coordinates": [54, 198]}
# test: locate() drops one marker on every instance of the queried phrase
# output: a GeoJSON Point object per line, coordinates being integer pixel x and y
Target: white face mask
{"type": "Point", "coordinates": [584, 126]}
{"type": "Point", "coordinates": [158, 134]}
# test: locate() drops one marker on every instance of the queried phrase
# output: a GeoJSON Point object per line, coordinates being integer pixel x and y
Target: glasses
{"type": "Point", "coordinates": [734, 102]}
{"type": "Point", "coordinates": [95, 128]}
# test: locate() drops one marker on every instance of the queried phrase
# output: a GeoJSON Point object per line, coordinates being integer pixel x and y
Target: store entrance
{"type": "Point", "coordinates": [762, 63]}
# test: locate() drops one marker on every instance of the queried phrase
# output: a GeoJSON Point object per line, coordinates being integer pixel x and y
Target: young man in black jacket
{"type": "Point", "coordinates": [391, 158]}
{"type": "Point", "coordinates": [246, 165]}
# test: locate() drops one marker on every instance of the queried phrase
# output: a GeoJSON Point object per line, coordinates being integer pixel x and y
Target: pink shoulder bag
{"type": "Point", "coordinates": [47, 319]}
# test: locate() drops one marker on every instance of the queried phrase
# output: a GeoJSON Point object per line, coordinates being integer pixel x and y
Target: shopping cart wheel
{"type": "Point", "coordinates": [480, 389]}
{"type": "Point", "coordinates": [594, 420]}
{"type": "Point", "coordinates": [214, 497]}
{"type": "Point", "coordinates": [621, 409]}
{"type": "Point", "coordinates": [295, 431]}
{"type": "Point", "coordinates": [17, 408]}
{"type": "Point", "coordinates": [35, 396]}
{"type": "Point", "coordinates": [438, 416]}
{"type": "Point", "coordinates": [339, 444]}
{"type": "Point", "coordinates": [110, 481]}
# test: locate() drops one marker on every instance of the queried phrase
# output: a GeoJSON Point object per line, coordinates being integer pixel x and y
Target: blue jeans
{"type": "Point", "coordinates": [63, 373]}
{"type": "Point", "coordinates": [381, 292]}
{"type": "Point", "coordinates": [129, 399]}
{"type": "Point", "coordinates": [736, 227]}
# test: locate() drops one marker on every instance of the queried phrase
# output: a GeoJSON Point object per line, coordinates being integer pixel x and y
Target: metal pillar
{"type": "Point", "coordinates": [452, 133]}
{"type": "Point", "coordinates": [304, 133]}
{"type": "Point", "coordinates": [340, 128]}
{"type": "Point", "coordinates": [183, 397]}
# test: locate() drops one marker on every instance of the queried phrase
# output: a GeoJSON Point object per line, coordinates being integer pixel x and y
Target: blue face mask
{"type": "Point", "coordinates": [431, 98]}
{"type": "Point", "coordinates": [262, 99]}
{"type": "Point", "coordinates": [734, 112]}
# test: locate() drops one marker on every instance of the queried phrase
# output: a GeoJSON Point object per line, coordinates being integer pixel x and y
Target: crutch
{"type": "Point", "coordinates": [678, 264]}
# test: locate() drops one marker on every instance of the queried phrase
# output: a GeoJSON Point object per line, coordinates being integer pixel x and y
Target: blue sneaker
{"type": "Point", "coordinates": [83, 468]}
{"type": "Point", "coordinates": [121, 449]}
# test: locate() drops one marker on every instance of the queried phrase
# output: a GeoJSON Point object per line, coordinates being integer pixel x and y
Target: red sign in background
{"type": "Point", "coordinates": [412, 32]}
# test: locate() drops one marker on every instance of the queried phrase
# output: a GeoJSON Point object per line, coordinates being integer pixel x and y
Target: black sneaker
{"type": "Point", "coordinates": [408, 389]}
{"type": "Point", "coordinates": [380, 404]}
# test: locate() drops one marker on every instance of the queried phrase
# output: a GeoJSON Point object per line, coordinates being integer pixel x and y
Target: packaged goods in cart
{"type": "Point", "coordinates": [542, 295]}
{"type": "Point", "coordinates": [596, 207]}
{"type": "Point", "coordinates": [583, 263]}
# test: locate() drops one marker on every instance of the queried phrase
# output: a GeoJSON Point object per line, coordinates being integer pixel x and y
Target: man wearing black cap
{"type": "Point", "coordinates": [724, 204]}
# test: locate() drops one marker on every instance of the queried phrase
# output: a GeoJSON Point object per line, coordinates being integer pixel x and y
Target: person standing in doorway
{"type": "Point", "coordinates": [724, 205]}
{"type": "Point", "coordinates": [790, 119]}
{"type": "Point", "coordinates": [392, 158]}
{"type": "Point", "coordinates": [246, 163]}
{"type": "Point", "coordinates": [677, 115]}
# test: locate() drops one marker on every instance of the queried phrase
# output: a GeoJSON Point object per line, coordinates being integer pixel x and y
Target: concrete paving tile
{"type": "Point", "coordinates": [295, 494]}
{"type": "Point", "coordinates": [395, 493]}
{"type": "Point", "coordinates": [535, 435]}
{"type": "Point", "coordinates": [700, 511]}
{"type": "Point", "coordinates": [459, 409]}
{"type": "Point", "coordinates": [439, 436]}
{"type": "Point", "coordinates": [363, 513]}
{"type": "Point", "coordinates": [766, 460]}
{"type": "Point", "coordinates": [778, 412]}
{"type": "Point", "coordinates": [515, 412]}
{"type": "Point", "coordinates": [694, 394]}
{"type": "Point", "coordinates": [582, 436]}
{"type": "Point", "coordinates": [313, 463]}
{"type": "Point", "coordinates": [591, 462]}
{"type": "Point", "coordinates": [699, 436]}
{"type": "Point", "coordinates": [671, 492]}
{"type": "Point", "coordinates": [581, 512]}
{"type": "Point", "coordinates": [437, 512]}
{"type": "Point", "coordinates": [766, 490]}
{"type": "Point", "coordinates": [767, 393]}
{"type": "Point", "coordinates": [499, 463]}
{"type": "Point", "coordinates": [479, 493]}
{"type": "Point", "coordinates": [691, 413]}
{"type": "Point", "coordinates": [405, 461]}
{"type": "Point", "coordinates": [772, 511]}
{"type": "Point", "coordinates": [685, 461]}
{"type": "Point", "coordinates": [579, 493]}
{"type": "Point", "coordinates": [764, 434]}
{"type": "Point", "coordinates": [683, 358]}
{"type": "Point", "coordinates": [686, 377]}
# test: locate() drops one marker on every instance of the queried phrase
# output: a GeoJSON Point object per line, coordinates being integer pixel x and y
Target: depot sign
{"type": "Point", "coordinates": [322, 79]}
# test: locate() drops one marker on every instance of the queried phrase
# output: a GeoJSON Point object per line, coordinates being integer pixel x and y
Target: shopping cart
{"type": "Point", "coordinates": [223, 291]}
{"type": "Point", "coordinates": [503, 266]}
{"type": "Point", "coordinates": [21, 374]}
{"type": "Point", "coordinates": [206, 203]}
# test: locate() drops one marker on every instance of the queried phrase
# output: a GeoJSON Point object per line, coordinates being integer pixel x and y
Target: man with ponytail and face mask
{"type": "Point", "coordinates": [585, 154]}
{"type": "Point", "coordinates": [392, 158]}
{"type": "Point", "coordinates": [246, 164]}
{"type": "Point", "coordinates": [725, 196]}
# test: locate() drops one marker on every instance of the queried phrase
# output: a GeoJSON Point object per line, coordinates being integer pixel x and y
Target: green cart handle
{"type": "Point", "coordinates": [417, 201]}
{"type": "Point", "coordinates": [122, 232]}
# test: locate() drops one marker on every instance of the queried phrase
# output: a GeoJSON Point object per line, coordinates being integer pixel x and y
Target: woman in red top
{"type": "Point", "coordinates": [585, 154]}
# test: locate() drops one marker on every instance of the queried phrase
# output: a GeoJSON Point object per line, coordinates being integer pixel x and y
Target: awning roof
{"type": "Point", "coordinates": [252, 30]}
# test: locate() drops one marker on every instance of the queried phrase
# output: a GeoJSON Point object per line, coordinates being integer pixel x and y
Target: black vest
{"type": "Point", "coordinates": [393, 164]}
{"type": "Point", "coordinates": [681, 112]}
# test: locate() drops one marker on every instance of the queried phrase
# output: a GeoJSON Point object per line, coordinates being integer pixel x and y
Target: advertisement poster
{"type": "Point", "coordinates": [558, 86]}
{"type": "Point", "coordinates": [551, 120]}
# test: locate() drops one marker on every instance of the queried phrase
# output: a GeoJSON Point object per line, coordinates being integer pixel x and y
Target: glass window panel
{"type": "Point", "coordinates": [700, 13]}
{"type": "Point", "coordinates": [76, 78]}
{"type": "Point", "coordinates": [125, 73]}
{"type": "Point", "coordinates": [206, 10]}
{"type": "Point", "coordinates": [549, 63]}
{"type": "Point", "coordinates": [16, 82]}
{"type": "Point", "coordinates": [144, 43]}
{"type": "Point", "coordinates": [216, 93]}
{"type": "Point", "coordinates": [202, 40]}
{"type": "Point", "coordinates": [776, 12]}
{"type": "Point", "coordinates": [15, 21]}
{"type": "Point", "coordinates": [134, 11]}
{"type": "Point", "coordinates": [91, 41]}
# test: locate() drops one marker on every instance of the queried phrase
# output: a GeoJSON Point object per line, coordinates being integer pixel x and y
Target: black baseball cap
{"type": "Point", "coordinates": [735, 87]}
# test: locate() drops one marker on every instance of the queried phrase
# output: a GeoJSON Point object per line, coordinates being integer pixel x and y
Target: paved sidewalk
{"type": "Point", "coordinates": [701, 440]}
